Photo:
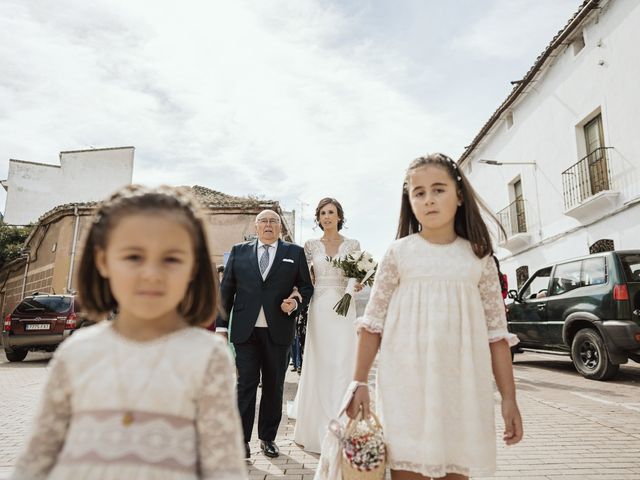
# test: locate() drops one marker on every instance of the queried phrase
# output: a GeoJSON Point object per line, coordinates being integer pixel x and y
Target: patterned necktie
{"type": "Point", "coordinates": [264, 259]}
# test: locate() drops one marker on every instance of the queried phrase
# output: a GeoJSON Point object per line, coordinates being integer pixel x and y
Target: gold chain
{"type": "Point", "coordinates": [128, 417]}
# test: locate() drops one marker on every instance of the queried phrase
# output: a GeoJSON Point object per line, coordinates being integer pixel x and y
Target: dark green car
{"type": "Point", "coordinates": [587, 307]}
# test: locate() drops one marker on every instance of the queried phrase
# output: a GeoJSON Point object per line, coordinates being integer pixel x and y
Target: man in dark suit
{"type": "Point", "coordinates": [258, 279]}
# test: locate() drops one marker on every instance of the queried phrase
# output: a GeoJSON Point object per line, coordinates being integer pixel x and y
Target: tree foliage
{"type": "Point", "coordinates": [11, 242]}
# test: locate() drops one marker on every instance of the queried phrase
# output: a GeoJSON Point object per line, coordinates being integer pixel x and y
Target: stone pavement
{"type": "Point", "coordinates": [567, 437]}
{"type": "Point", "coordinates": [574, 428]}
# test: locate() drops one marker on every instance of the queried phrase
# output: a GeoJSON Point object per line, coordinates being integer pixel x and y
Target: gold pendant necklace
{"type": "Point", "coordinates": [128, 417]}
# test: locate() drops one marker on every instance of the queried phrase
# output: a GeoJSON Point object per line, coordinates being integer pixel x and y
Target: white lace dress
{"type": "Point", "coordinates": [181, 389]}
{"type": "Point", "coordinates": [437, 307]}
{"type": "Point", "coordinates": [330, 349]}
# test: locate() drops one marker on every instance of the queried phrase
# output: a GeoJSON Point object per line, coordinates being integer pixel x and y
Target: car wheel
{"type": "Point", "coordinates": [590, 356]}
{"type": "Point", "coordinates": [15, 355]}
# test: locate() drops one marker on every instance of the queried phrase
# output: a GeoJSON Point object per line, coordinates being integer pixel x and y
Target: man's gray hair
{"type": "Point", "coordinates": [263, 212]}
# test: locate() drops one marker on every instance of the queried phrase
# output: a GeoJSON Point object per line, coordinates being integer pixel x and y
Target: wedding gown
{"type": "Point", "coordinates": [330, 349]}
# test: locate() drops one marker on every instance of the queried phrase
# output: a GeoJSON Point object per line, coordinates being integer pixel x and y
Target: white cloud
{"type": "Point", "coordinates": [270, 98]}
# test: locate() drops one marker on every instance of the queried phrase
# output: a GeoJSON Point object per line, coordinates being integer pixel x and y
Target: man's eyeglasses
{"type": "Point", "coordinates": [269, 221]}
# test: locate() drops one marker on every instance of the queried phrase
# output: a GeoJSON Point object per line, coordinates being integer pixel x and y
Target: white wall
{"type": "Point", "coordinates": [623, 228]}
{"type": "Point", "coordinates": [547, 130]}
{"type": "Point", "coordinates": [83, 176]}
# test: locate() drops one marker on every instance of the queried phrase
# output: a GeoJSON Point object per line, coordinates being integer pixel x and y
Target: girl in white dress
{"type": "Point", "coordinates": [151, 394]}
{"type": "Point", "coordinates": [330, 345]}
{"type": "Point", "coordinates": [437, 317]}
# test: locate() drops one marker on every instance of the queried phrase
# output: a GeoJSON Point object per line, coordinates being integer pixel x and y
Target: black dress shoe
{"type": "Point", "coordinates": [247, 451]}
{"type": "Point", "coordinates": [269, 448]}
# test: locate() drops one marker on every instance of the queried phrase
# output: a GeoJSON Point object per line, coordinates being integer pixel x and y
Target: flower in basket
{"type": "Point", "coordinates": [364, 449]}
{"type": "Point", "coordinates": [358, 267]}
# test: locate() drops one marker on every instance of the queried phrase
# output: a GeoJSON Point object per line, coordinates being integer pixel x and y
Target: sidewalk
{"type": "Point", "coordinates": [293, 462]}
{"type": "Point", "coordinates": [561, 443]}
{"type": "Point", "coordinates": [575, 429]}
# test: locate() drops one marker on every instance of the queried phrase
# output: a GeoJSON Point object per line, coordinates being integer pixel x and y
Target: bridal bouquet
{"type": "Point", "coordinates": [358, 267]}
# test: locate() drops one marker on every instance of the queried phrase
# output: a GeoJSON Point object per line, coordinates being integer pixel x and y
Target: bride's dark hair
{"type": "Point", "coordinates": [468, 223]}
{"type": "Point", "coordinates": [330, 201]}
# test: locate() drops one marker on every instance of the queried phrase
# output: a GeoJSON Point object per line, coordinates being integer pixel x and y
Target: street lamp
{"type": "Point", "coordinates": [535, 180]}
{"type": "Point", "coordinates": [496, 162]}
{"type": "Point", "coordinates": [302, 205]}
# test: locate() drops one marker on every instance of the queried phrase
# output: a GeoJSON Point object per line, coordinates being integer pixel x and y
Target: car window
{"type": "Point", "coordinates": [566, 277]}
{"type": "Point", "coordinates": [537, 285]}
{"type": "Point", "coordinates": [631, 266]}
{"type": "Point", "coordinates": [43, 305]}
{"type": "Point", "coordinates": [594, 271]}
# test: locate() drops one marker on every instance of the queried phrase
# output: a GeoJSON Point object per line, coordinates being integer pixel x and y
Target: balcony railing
{"type": "Point", "coordinates": [586, 178]}
{"type": "Point", "coordinates": [513, 218]}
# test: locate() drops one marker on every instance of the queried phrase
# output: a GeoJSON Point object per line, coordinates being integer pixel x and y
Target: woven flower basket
{"type": "Point", "coordinates": [364, 454]}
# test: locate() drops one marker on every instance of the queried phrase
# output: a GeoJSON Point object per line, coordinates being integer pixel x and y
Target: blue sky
{"type": "Point", "coordinates": [288, 99]}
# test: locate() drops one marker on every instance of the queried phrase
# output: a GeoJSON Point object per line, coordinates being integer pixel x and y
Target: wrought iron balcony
{"type": "Point", "coordinates": [513, 218]}
{"type": "Point", "coordinates": [589, 176]}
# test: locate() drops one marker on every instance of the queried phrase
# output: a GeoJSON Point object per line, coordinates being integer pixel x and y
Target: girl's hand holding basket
{"type": "Point", "coordinates": [360, 400]}
{"type": "Point", "coordinates": [364, 454]}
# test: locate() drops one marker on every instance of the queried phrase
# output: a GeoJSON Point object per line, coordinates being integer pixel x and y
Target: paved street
{"type": "Point", "coordinates": [574, 428]}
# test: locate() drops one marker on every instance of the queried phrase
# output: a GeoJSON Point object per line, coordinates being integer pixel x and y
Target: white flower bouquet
{"type": "Point", "coordinates": [358, 267]}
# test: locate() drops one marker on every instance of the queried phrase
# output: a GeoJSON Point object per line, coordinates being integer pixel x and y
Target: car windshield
{"type": "Point", "coordinates": [631, 266]}
{"type": "Point", "coordinates": [44, 305]}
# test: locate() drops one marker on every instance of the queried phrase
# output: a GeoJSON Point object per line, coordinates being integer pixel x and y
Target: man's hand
{"type": "Point", "coordinates": [296, 294]}
{"type": "Point", "coordinates": [288, 305]}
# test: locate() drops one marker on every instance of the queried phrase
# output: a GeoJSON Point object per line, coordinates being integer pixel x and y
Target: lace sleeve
{"type": "Point", "coordinates": [308, 253]}
{"type": "Point", "coordinates": [384, 285]}
{"type": "Point", "coordinates": [50, 427]}
{"type": "Point", "coordinates": [493, 304]}
{"type": "Point", "coordinates": [220, 447]}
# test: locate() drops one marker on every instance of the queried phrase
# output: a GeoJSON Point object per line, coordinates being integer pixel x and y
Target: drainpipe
{"type": "Point", "coordinates": [73, 249]}
{"type": "Point", "coordinates": [535, 179]}
{"type": "Point", "coordinates": [24, 279]}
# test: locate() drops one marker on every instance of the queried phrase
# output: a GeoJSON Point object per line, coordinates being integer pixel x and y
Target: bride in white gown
{"type": "Point", "coordinates": [330, 345]}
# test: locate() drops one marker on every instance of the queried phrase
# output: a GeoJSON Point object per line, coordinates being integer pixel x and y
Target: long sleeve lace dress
{"type": "Point", "coordinates": [437, 308]}
{"type": "Point", "coordinates": [180, 390]}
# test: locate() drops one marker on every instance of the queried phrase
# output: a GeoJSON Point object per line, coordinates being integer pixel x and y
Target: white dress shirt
{"type": "Point", "coordinates": [273, 247]}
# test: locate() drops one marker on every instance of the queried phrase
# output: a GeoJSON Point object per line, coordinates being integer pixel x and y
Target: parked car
{"type": "Point", "coordinates": [41, 322]}
{"type": "Point", "coordinates": [587, 307]}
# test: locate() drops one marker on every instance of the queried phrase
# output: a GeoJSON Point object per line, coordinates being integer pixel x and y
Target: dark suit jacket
{"type": "Point", "coordinates": [243, 292]}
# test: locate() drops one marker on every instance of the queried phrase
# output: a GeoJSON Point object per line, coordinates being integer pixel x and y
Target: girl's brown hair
{"type": "Point", "coordinates": [200, 301]}
{"type": "Point", "coordinates": [330, 201]}
{"type": "Point", "coordinates": [468, 222]}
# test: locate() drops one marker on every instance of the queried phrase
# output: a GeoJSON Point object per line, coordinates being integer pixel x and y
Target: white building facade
{"type": "Point", "coordinates": [82, 176]}
{"type": "Point", "coordinates": [559, 161]}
